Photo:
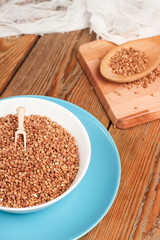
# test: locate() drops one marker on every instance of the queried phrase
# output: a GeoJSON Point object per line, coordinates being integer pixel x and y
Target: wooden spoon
{"type": "Point", "coordinates": [150, 47]}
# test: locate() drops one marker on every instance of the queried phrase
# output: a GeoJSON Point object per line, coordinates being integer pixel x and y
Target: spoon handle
{"type": "Point", "coordinates": [21, 112]}
{"type": "Point", "coordinates": [155, 39]}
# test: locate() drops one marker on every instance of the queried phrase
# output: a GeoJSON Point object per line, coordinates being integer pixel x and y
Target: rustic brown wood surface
{"type": "Point", "coordinates": [48, 66]}
{"type": "Point", "coordinates": [125, 107]}
{"type": "Point", "coordinates": [12, 53]}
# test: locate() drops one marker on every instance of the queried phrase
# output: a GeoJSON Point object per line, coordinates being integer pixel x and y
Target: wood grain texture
{"type": "Point", "coordinates": [135, 214]}
{"type": "Point", "coordinates": [52, 69]}
{"type": "Point", "coordinates": [125, 107]}
{"type": "Point", "coordinates": [13, 51]}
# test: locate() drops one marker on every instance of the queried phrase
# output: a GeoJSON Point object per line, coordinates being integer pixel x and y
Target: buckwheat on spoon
{"type": "Point", "coordinates": [132, 60]}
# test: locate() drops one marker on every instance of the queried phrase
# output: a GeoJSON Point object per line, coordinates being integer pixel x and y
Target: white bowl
{"type": "Point", "coordinates": [63, 117]}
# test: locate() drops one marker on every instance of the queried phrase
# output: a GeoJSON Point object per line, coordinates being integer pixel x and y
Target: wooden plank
{"type": "Point", "coordinates": [13, 51]}
{"type": "Point", "coordinates": [135, 213]}
{"type": "Point", "coordinates": [125, 107]}
{"type": "Point", "coordinates": [52, 69]}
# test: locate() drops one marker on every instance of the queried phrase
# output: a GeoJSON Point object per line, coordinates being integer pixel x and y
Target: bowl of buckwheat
{"type": "Point", "coordinates": [45, 152]}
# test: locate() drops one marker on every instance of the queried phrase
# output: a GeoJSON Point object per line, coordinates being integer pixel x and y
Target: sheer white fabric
{"type": "Point", "coordinates": [114, 20]}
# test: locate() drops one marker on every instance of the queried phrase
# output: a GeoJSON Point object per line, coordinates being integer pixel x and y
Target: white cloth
{"type": "Point", "coordinates": [118, 21]}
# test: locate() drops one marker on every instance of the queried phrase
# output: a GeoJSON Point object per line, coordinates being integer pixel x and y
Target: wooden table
{"type": "Point", "coordinates": [48, 66]}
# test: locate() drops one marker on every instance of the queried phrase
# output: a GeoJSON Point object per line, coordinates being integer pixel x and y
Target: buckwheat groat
{"type": "Point", "coordinates": [128, 61]}
{"type": "Point", "coordinates": [44, 171]}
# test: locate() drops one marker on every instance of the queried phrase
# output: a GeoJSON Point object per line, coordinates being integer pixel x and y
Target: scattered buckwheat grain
{"type": "Point", "coordinates": [145, 81]}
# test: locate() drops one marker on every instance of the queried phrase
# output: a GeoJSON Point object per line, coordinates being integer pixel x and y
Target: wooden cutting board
{"type": "Point", "coordinates": [125, 107]}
